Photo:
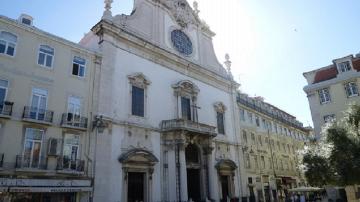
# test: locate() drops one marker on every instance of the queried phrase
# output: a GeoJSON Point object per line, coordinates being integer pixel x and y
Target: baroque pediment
{"type": "Point", "coordinates": [182, 12]}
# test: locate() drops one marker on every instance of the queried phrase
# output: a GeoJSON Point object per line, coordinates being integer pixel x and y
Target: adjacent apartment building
{"type": "Point", "coordinates": [332, 89]}
{"type": "Point", "coordinates": [270, 139]}
{"type": "Point", "coordinates": [46, 90]}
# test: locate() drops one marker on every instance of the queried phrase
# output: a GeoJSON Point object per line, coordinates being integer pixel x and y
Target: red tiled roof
{"type": "Point", "coordinates": [356, 64]}
{"type": "Point", "coordinates": [326, 74]}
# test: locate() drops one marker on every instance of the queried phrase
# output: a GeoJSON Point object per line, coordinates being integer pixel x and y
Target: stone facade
{"type": "Point", "coordinates": [45, 114]}
{"type": "Point", "coordinates": [332, 89]}
{"type": "Point", "coordinates": [140, 110]}
{"type": "Point", "coordinates": [270, 139]}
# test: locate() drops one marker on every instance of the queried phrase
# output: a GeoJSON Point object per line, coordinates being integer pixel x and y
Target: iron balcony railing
{"type": "Point", "coordinates": [74, 121]}
{"type": "Point", "coordinates": [36, 114]}
{"type": "Point", "coordinates": [30, 162]}
{"type": "Point", "coordinates": [6, 108]}
{"type": "Point", "coordinates": [64, 163]}
{"type": "Point", "coordinates": [182, 124]}
{"type": "Point", "coordinates": [1, 160]}
{"type": "Point", "coordinates": [253, 106]}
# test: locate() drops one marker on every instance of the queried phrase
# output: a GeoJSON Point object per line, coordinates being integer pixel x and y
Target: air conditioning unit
{"type": "Point", "coordinates": [54, 147]}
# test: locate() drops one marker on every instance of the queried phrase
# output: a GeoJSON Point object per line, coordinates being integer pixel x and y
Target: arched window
{"type": "Point", "coordinates": [7, 43]}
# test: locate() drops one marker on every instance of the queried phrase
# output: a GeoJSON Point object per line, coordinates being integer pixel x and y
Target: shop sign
{"type": "Point", "coordinates": [50, 189]}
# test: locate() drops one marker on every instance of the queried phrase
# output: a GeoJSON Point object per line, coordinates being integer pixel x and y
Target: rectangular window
{"type": "Point", "coordinates": [278, 145]}
{"type": "Point", "coordinates": [264, 123]}
{"type": "Point", "coordinates": [3, 91]}
{"type": "Point", "coordinates": [38, 104]}
{"type": "Point", "coordinates": [71, 151]}
{"type": "Point", "coordinates": [137, 101]}
{"type": "Point", "coordinates": [7, 43]}
{"type": "Point", "coordinates": [270, 163]}
{"type": "Point", "coordinates": [185, 108]}
{"type": "Point", "coordinates": [257, 120]}
{"type": "Point", "coordinates": [351, 89]}
{"type": "Point", "coordinates": [345, 66]}
{"type": "Point", "coordinates": [242, 115]}
{"type": "Point", "coordinates": [262, 162]}
{"type": "Point", "coordinates": [245, 137]}
{"type": "Point", "coordinates": [250, 117]}
{"type": "Point", "coordinates": [74, 109]}
{"type": "Point", "coordinates": [46, 54]}
{"type": "Point", "coordinates": [79, 67]}
{"type": "Point", "coordinates": [260, 141]}
{"type": "Point", "coordinates": [32, 148]}
{"type": "Point", "coordinates": [324, 96]}
{"type": "Point", "coordinates": [256, 162]}
{"type": "Point", "coordinates": [220, 122]}
{"type": "Point", "coordinates": [329, 118]}
{"type": "Point", "coordinates": [248, 164]}
{"type": "Point", "coordinates": [253, 138]}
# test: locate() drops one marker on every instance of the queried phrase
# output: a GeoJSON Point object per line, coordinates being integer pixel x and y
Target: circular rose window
{"type": "Point", "coordinates": [181, 42]}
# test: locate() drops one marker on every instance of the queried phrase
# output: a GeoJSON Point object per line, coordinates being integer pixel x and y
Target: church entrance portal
{"type": "Point", "coordinates": [136, 186]}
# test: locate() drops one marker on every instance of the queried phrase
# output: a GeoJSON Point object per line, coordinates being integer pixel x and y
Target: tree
{"type": "Point", "coordinates": [335, 158]}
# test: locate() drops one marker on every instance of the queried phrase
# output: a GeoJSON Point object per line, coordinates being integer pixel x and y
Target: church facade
{"type": "Point", "coordinates": [165, 108]}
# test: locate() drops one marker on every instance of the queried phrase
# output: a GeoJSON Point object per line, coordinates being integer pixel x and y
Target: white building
{"type": "Point", "coordinates": [166, 106]}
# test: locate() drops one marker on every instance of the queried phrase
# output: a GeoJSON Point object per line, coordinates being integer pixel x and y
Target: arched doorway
{"type": "Point", "coordinates": [226, 171]}
{"type": "Point", "coordinates": [138, 167]}
{"type": "Point", "coordinates": [193, 170]}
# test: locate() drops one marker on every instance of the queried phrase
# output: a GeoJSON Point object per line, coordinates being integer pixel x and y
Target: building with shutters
{"type": "Point", "coordinates": [46, 92]}
{"type": "Point", "coordinates": [332, 89]}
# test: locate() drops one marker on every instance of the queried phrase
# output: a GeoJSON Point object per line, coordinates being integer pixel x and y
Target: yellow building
{"type": "Point", "coordinates": [45, 103]}
{"type": "Point", "coordinates": [332, 89]}
{"type": "Point", "coordinates": [270, 140]}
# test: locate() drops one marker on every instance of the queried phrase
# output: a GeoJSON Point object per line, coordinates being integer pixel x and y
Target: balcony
{"type": "Point", "coordinates": [69, 120]}
{"type": "Point", "coordinates": [30, 162]}
{"type": "Point", "coordinates": [6, 109]}
{"type": "Point", "coordinates": [186, 125]}
{"type": "Point", "coordinates": [33, 114]}
{"type": "Point", "coordinates": [69, 166]}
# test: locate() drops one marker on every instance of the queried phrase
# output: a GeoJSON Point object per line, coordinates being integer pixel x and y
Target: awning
{"type": "Point", "coordinates": [305, 189]}
{"type": "Point", "coordinates": [50, 189]}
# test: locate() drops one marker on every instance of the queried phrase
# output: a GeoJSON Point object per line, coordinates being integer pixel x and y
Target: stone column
{"type": "Point", "coordinates": [171, 180]}
{"type": "Point", "coordinates": [183, 173]}
{"type": "Point", "coordinates": [212, 174]}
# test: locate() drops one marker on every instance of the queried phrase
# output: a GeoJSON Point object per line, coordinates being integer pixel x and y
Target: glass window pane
{"type": "Point", "coordinates": [75, 70]}
{"type": "Point", "coordinates": [82, 71]}
{"type": "Point", "coordinates": [8, 36]}
{"type": "Point", "coordinates": [79, 60]}
{"type": "Point", "coordinates": [41, 60]}
{"type": "Point", "coordinates": [2, 95]}
{"type": "Point", "coordinates": [48, 60]}
{"type": "Point", "coordinates": [2, 46]}
{"type": "Point", "coordinates": [10, 50]}
{"type": "Point", "coordinates": [138, 101]}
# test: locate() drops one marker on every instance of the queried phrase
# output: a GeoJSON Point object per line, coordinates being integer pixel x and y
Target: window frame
{"type": "Point", "coordinates": [351, 87]}
{"type": "Point", "coordinates": [222, 124]}
{"type": "Point", "coordinates": [6, 89]}
{"type": "Point", "coordinates": [322, 96]}
{"type": "Point", "coordinates": [132, 101]}
{"type": "Point", "coordinates": [72, 67]}
{"type": "Point", "coordinates": [7, 44]}
{"type": "Point", "coordinates": [342, 67]}
{"type": "Point", "coordinates": [45, 57]}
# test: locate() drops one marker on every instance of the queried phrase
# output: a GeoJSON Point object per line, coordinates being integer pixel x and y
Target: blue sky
{"type": "Point", "coordinates": [271, 43]}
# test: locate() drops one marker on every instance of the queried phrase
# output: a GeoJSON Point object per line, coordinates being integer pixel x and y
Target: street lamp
{"type": "Point", "coordinates": [99, 124]}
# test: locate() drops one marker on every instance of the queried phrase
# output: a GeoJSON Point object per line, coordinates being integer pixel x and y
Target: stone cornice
{"type": "Point", "coordinates": [163, 57]}
{"type": "Point", "coordinates": [45, 34]}
{"type": "Point", "coordinates": [340, 78]}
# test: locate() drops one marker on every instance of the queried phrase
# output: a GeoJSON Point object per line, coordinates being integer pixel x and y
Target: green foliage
{"type": "Point", "coordinates": [336, 158]}
{"type": "Point", "coordinates": [318, 172]}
